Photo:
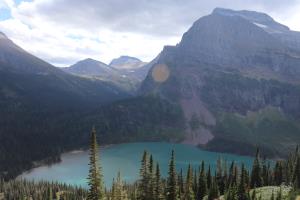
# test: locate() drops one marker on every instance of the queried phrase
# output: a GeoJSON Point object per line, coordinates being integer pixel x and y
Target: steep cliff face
{"type": "Point", "coordinates": [226, 64]}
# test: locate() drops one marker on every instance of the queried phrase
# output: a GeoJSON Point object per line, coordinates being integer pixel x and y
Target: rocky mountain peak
{"type": "Point", "coordinates": [258, 18]}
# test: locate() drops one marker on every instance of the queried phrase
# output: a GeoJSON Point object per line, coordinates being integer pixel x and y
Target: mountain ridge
{"type": "Point", "coordinates": [226, 66]}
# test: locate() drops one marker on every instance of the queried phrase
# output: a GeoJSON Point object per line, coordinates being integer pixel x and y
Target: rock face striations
{"type": "Point", "coordinates": [236, 76]}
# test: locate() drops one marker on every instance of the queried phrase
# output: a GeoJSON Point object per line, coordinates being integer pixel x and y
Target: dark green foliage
{"type": "Point", "coordinates": [266, 176]}
{"type": "Point", "coordinates": [296, 175]}
{"type": "Point", "coordinates": [209, 178]}
{"type": "Point", "coordinates": [278, 173]}
{"type": "Point", "coordinates": [141, 118]}
{"type": "Point", "coordinates": [172, 186]}
{"type": "Point", "coordinates": [231, 194]}
{"type": "Point", "coordinates": [213, 192]}
{"type": "Point", "coordinates": [256, 177]}
{"type": "Point", "coordinates": [189, 191]}
{"type": "Point", "coordinates": [96, 187]}
{"type": "Point", "coordinates": [241, 192]}
{"type": "Point", "coordinates": [159, 191]}
{"type": "Point", "coordinates": [202, 183]}
{"type": "Point", "coordinates": [181, 189]}
{"type": "Point", "coordinates": [144, 181]}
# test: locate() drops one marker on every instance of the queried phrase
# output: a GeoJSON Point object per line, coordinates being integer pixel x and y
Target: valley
{"type": "Point", "coordinates": [230, 86]}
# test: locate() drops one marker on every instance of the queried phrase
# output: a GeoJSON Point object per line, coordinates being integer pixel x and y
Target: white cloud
{"type": "Point", "coordinates": [65, 31]}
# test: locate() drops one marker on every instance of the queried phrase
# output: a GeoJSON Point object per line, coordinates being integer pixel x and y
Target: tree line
{"type": "Point", "coordinates": [228, 181]}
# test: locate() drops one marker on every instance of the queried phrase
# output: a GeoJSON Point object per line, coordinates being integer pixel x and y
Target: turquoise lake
{"type": "Point", "coordinates": [73, 168]}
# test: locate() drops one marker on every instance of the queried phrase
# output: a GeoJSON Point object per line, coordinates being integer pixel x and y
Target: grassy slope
{"type": "Point", "coordinates": [268, 128]}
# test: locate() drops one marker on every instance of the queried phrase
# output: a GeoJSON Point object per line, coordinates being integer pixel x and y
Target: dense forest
{"type": "Point", "coordinates": [32, 130]}
{"type": "Point", "coordinates": [266, 180]}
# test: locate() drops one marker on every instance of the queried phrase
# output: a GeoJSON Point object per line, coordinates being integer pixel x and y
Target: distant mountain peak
{"type": "Point", "coordinates": [126, 62]}
{"type": "Point", "coordinates": [93, 61]}
{"type": "Point", "coordinates": [243, 13]}
{"type": "Point", "coordinates": [128, 58]}
{"type": "Point", "coordinates": [258, 18]}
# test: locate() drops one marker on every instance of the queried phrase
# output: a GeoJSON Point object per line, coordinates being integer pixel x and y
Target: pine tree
{"type": "Point", "coordinates": [96, 188]}
{"type": "Point", "coordinates": [172, 187]}
{"type": "Point", "coordinates": [144, 178]}
{"type": "Point", "coordinates": [181, 190]}
{"type": "Point", "coordinates": [265, 173]}
{"type": "Point", "coordinates": [50, 194]}
{"type": "Point", "coordinates": [151, 186]}
{"type": "Point", "coordinates": [189, 192]}
{"type": "Point", "coordinates": [232, 177]}
{"type": "Point", "coordinates": [278, 173]}
{"type": "Point", "coordinates": [209, 178]}
{"type": "Point", "coordinates": [296, 173]}
{"type": "Point", "coordinates": [231, 193]}
{"type": "Point", "coordinates": [158, 185]}
{"type": "Point", "coordinates": [118, 192]}
{"type": "Point", "coordinates": [195, 183]}
{"type": "Point", "coordinates": [241, 192]}
{"type": "Point", "coordinates": [202, 187]}
{"type": "Point", "coordinates": [213, 190]}
{"type": "Point", "coordinates": [256, 179]}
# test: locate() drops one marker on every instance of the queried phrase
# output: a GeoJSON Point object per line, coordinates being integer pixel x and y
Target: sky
{"type": "Point", "coordinates": [63, 32]}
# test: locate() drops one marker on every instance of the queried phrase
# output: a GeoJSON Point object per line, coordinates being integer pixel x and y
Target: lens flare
{"type": "Point", "coordinates": [160, 73]}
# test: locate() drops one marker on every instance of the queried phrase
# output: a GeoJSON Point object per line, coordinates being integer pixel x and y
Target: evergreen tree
{"type": "Point", "coordinates": [256, 178]}
{"type": "Point", "coordinates": [241, 192]}
{"type": "Point", "coordinates": [181, 190]}
{"type": "Point", "coordinates": [50, 194]}
{"type": "Point", "coordinates": [278, 173]}
{"type": "Point", "coordinates": [189, 192]}
{"type": "Point", "coordinates": [202, 186]}
{"type": "Point", "coordinates": [96, 188]}
{"type": "Point", "coordinates": [151, 184]}
{"type": "Point", "coordinates": [213, 191]}
{"type": "Point", "coordinates": [158, 195]}
{"type": "Point", "coordinates": [119, 193]}
{"type": "Point", "coordinates": [209, 178]}
{"type": "Point", "coordinates": [265, 173]}
{"type": "Point", "coordinates": [232, 177]}
{"type": "Point", "coordinates": [172, 187]}
{"type": "Point", "coordinates": [296, 174]}
{"type": "Point", "coordinates": [195, 183]}
{"type": "Point", "coordinates": [231, 193]}
{"type": "Point", "coordinates": [143, 189]}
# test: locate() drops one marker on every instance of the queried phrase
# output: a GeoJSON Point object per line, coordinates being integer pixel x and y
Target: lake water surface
{"type": "Point", "coordinates": [73, 169]}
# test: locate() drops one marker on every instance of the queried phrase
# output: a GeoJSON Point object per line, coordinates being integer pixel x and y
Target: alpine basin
{"type": "Point", "coordinates": [73, 169]}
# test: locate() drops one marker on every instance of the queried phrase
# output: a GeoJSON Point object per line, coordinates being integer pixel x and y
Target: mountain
{"type": "Point", "coordinates": [124, 72]}
{"type": "Point", "coordinates": [94, 69]}
{"type": "Point", "coordinates": [236, 81]}
{"type": "Point", "coordinates": [21, 61]}
{"type": "Point", "coordinates": [90, 67]}
{"type": "Point", "coordinates": [131, 67]}
{"type": "Point", "coordinates": [126, 62]}
{"type": "Point", "coordinates": [41, 107]}
{"type": "Point", "coordinates": [267, 23]}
